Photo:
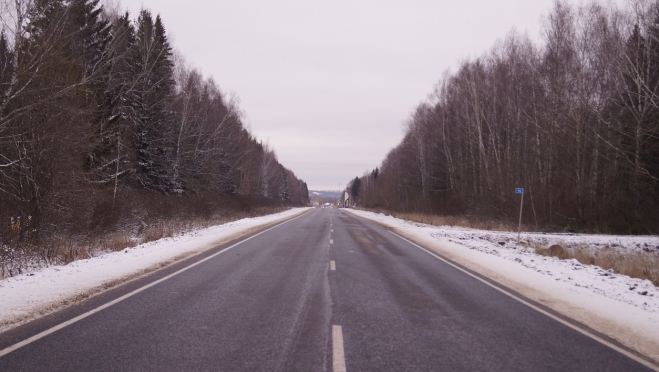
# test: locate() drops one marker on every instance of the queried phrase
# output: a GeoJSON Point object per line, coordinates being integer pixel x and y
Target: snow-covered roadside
{"type": "Point", "coordinates": [623, 308]}
{"type": "Point", "coordinates": [26, 296]}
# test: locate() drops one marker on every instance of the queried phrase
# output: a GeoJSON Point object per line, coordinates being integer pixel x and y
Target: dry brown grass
{"type": "Point", "coordinates": [459, 221]}
{"type": "Point", "coordinates": [172, 227]}
{"type": "Point", "coordinates": [63, 250]}
{"type": "Point", "coordinates": [635, 264]}
{"type": "Point", "coordinates": [641, 265]}
{"type": "Point", "coordinates": [117, 242]}
{"type": "Point", "coordinates": [159, 230]}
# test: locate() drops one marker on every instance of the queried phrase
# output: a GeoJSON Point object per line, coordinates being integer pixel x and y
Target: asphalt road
{"type": "Point", "coordinates": [322, 292]}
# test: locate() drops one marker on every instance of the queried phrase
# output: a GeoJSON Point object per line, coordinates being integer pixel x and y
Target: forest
{"type": "Point", "coordinates": [104, 127]}
{"type": "Point", "coordinates": [572, 117]}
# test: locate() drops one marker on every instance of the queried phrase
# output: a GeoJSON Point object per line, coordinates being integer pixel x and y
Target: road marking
{"type": "Point", "coordinates": [331, 241]}
{"type": "Point", "coordinates": [131, 294]}
{"type": "Point", "coordinates": [540, 310]}
{"type": "Point", "coordinates": [338, 356]}
{"type": "Point", "coordinates": [332, 266]}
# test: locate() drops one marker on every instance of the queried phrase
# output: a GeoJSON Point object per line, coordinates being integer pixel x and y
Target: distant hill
{"type": "Point", "coordinates": [324, 196]}
{"type": "Point", "coordinates": [325, 193]}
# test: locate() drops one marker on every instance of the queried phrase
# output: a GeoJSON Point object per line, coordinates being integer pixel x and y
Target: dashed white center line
{"type": "Point", "coordinates": [338, 356]}
{"type": "Point", "coordinates": [331, 241]}
{"type": "Point", "coordinates": [332, 266]}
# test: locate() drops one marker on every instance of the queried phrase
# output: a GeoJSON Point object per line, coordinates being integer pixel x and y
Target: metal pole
{"type": "Point", "coordinates": [519, 228]}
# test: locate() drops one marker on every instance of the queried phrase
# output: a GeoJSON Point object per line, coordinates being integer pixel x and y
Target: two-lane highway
{"type": "Point", "coordinates": [324, 291]}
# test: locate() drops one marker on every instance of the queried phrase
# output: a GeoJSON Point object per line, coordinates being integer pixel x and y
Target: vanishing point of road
{"type": "Point", "coordinates": [325, 291]}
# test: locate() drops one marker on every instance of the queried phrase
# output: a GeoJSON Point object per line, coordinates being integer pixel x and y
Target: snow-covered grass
{"type": "Point", "coordinates": [619, 306]}
{"type": "Point", "coordinates": [47, 289]}
{"type": "Point", "coordinates": [24, 258]}
{"type": "Point", "coordinates": [634, 256]}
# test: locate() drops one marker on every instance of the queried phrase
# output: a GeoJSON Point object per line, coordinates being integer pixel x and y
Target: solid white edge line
{"type": "Point", "coordinates": [332, 266]}
{"type": "Point", "coordinates": [536, 308]}
{"type": "Point", "coordinates": [117, 300]}
{"type": "Point", "coordinates": [338, 355]}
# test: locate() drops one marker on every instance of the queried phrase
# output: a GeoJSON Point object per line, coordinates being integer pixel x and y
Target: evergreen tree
{"type": "Point", "coordinates": [354, 188]}
{"type": "Point", "coordinates": [110, 159]}
{"type": "Point", "coordinates": [46, 19]}
{"type": "Point", "coordinates": [6, 65]}
{"type": "Point", "coordinates": [375, 173]}
{"type": "Point", "coordinates": [164, 68]}
{"type": "Point", "coordinates": [153, 69]}
{"type": "Point", "coordinates": [283, 190]}
{"type": "Point", "coordinates": [90, 35]}
{"type": "Point", "coordinates": [89, 40]}
{"type": "Point", "coordinates": [304, 193]}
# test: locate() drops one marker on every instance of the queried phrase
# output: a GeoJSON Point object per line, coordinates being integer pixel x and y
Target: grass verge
{"type": "Point", "coordinates": [459, 221]}
{"type": "Point", "coordinates": [58, 250]}
{"type": "Point", "coordinates": [635, 264]}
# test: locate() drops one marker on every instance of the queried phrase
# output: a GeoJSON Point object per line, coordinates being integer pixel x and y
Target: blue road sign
{"type": "Point", "coordinates": [519, 190]}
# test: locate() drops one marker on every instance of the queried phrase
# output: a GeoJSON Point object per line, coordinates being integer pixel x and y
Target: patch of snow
{"type": "Point", "coordinates": [624, 308]}
{"type": "Point", "coordinates": [40, 291]}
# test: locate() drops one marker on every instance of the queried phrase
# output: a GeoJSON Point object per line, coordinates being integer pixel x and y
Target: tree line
{"type": "Point", "coordinates": [96, 107]}
{"type": "Point", "coordinates": [573, 118]}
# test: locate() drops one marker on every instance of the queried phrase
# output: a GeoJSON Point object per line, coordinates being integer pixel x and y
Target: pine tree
{"type": "Point", "coordinates": [89, 40]}
{"type": "Point", "coordinates": [6, 64]}
{"type": "Point", "coordinates": [164, 68]}
{"type": "Point", "coordinates": [304, 193]}
{"type": "Point", "coordinates": [153, 68]}
{"type": "Point", "coordinates": [354, 188]}
{"type": "Point", "coordinates": [283, 190]}
{"type": "Point", "coordinates": [90, 35]}
{"type": "Point", "coordinates": [45, 19]}
{"type": "Point", "coordinates": [110, 160]}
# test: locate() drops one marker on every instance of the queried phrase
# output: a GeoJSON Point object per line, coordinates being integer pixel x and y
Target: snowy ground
{"type": "Point", "coordinates": [25, 296]}
{"type": "Point", "coordinates": [618, 306]}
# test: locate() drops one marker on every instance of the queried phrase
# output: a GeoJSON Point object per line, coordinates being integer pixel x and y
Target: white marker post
{"type": "Point", "coordinates": [520, 191]}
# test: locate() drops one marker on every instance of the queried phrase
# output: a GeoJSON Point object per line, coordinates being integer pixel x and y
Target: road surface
{"type": "Point", "coordinates": [325, 291]}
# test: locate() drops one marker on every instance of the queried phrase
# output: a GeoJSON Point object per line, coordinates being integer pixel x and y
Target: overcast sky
{"type": "Point", "coordinates": [330, 83]}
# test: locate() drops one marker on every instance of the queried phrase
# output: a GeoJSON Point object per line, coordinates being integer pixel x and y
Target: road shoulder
{"type": "Point", "coordinates": [29, 297]}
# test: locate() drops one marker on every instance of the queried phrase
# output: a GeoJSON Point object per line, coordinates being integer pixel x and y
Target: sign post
{"type": "Point", "coordinates": [520, 191]}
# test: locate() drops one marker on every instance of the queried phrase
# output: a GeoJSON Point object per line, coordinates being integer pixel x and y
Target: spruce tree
{"type": "Point", "coordinates": [153, 68]}
{"type": "Point", "coordinates": [110, 157]}
{"type": "Point", "coordinates": [90, 34]}
{"type": "Point", "coordinates": [304, 193]}
{"type": "Point", "coordinates": [6, 64]}
{"type": "Point", "coordinates": [283, 190]}
{"type": "Point", "coordinates": [354, 188]}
